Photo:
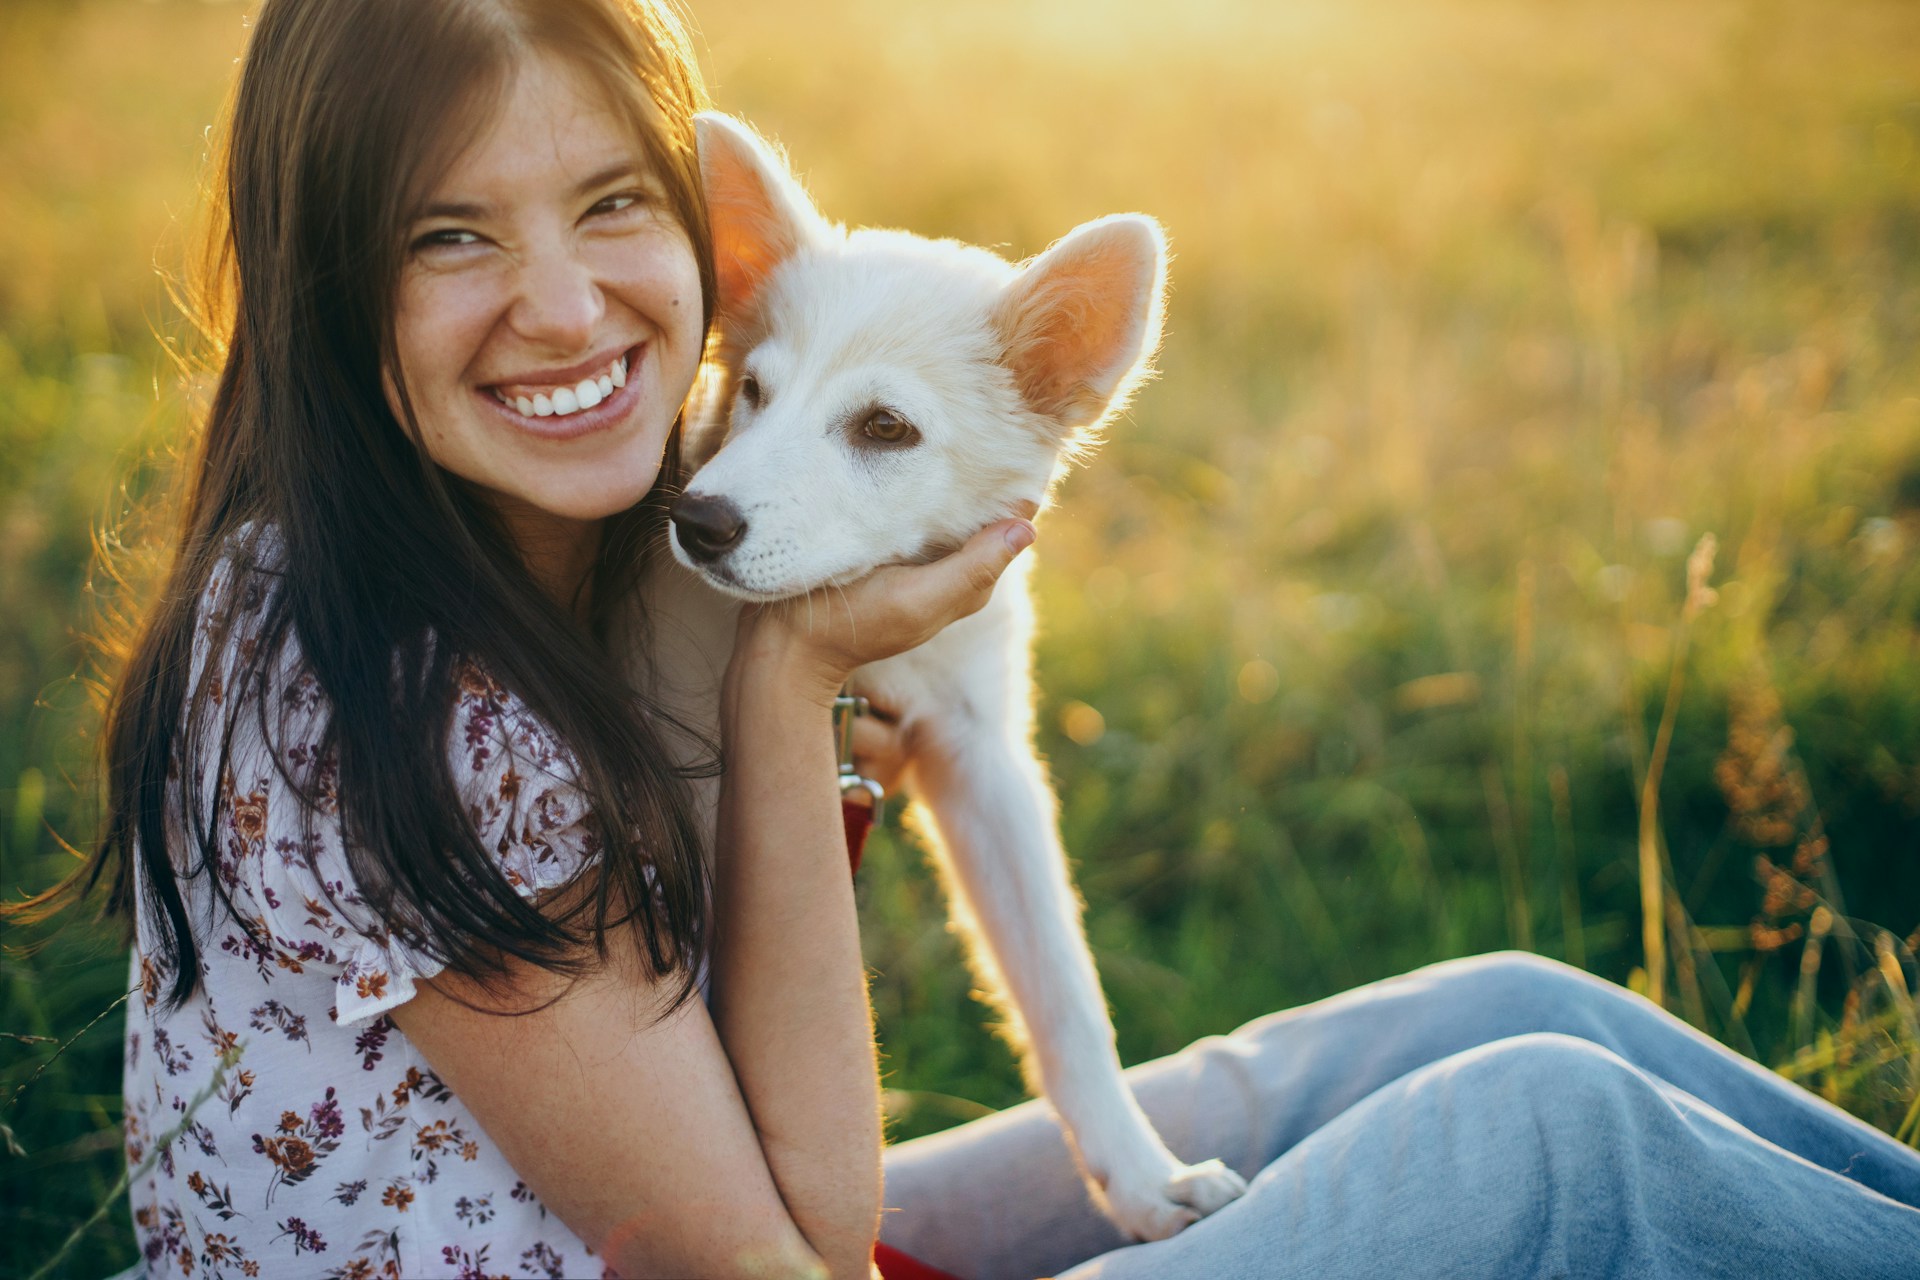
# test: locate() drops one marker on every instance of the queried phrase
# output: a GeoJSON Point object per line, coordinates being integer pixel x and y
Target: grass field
{"type": "Point", "coordinates": [1369, 638]}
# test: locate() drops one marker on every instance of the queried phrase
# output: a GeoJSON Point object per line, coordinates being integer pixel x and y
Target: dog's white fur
{"type": "Point", "coordinates": [1005, 373]}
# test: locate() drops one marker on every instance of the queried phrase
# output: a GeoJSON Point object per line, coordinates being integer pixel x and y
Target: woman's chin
{"type": "Point", "coordinates": [587, 505]}
{"type": "Point", "coordinates": [586, 497]}
{"type": "Point", "coordinates": [594, 484]}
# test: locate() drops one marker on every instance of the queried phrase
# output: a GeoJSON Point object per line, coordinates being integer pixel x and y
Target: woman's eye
{"type": "Point", "coordinates": [622, 202]}
{"type": "Point", "coordinates": [750, 391]}
{"type": "Point", "coordinates": [445, 238]}
{"type": "Point", "coordinates": [887, 427]}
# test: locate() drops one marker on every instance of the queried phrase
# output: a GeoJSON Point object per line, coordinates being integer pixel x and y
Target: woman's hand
{"type": "Point", "coordinates": [880, 748]}
{"type": "Point", "coordinates": [788, 992]}
{"type": "Point", "coordinates": [822, 637]}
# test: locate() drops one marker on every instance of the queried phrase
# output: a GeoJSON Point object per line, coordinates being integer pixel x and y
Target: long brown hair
{"type": "Point", "coordinates": [345, 114]}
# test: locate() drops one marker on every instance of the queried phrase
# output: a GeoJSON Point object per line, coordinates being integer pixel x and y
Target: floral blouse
{"type": "Point", "coordinates": [308, 1137]}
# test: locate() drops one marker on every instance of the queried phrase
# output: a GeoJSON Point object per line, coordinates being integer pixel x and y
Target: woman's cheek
{"type": "Point", "coordinates": [440, 328]}
{"type": "Point", "coordinates": [459, 309]}
{"type": "Point", "coordinates": [653, 266]}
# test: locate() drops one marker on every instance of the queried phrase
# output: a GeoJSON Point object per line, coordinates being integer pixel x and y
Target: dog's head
{"type": "Point", "coordinates": [885, 395]}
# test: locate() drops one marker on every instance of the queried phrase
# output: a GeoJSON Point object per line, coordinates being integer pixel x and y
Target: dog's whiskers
{"type": "Point", "coordinates": [853, 627]}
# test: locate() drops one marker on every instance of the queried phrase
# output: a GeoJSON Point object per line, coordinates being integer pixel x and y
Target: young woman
{"type": "Point", "coordinates": [376, 779]}
{"type": "Point", "coordinates": [420, 905]}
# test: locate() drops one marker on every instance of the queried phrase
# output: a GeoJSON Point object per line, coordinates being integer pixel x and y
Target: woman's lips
{"type": "Point", "coordinates": [581, 421]}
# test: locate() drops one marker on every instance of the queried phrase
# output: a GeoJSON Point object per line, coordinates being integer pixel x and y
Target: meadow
{"type": "Point", "coordinates": [1521, 547]}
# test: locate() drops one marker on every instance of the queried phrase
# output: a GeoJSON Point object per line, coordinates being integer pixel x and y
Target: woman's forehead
{"type": "Point", "coordinates": [553, 128]}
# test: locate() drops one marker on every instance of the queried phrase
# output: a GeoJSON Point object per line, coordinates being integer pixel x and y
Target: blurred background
{"type": "Point", "coordinates": [1521, 547]}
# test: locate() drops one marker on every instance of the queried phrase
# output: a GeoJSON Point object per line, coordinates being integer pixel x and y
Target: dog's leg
{"type": "Point", "coordinates": [999, 850]}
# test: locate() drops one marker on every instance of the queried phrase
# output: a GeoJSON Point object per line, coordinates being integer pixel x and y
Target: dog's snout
{"type": "Point", "coordinates": [707, 526]}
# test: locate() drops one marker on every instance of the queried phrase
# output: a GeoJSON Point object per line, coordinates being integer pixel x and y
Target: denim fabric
{"type": "Point", "coordinates": [1491, 1117]}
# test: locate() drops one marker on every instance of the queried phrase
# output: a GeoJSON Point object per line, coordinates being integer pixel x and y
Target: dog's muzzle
{"type": "Point", "coordinates": [707, 527]}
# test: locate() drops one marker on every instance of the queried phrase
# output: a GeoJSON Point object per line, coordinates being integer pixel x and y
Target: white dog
{"type": "Point", "coordinates": [877, 397]}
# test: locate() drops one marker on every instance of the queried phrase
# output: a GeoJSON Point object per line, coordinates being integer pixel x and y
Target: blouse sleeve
{"type": "Point", "coordinates": [284, 851]}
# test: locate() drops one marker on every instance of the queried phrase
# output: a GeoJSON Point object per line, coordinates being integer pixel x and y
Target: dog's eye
{"type": "Point", "coordinates": [750, 391]}
{"type": "Point", "coordinates": [887, 427]}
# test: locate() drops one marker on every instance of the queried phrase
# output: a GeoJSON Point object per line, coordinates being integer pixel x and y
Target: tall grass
{"type": "Point", "coordinates": [1370, 639]}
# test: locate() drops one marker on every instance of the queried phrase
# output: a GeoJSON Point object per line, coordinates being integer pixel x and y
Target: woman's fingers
{"type": "Point", "coordinates": [892, 609]}
{"type": "Point", "coordinates": [960, 583]}
{"type": "Point", "coordinates": [879, 751]}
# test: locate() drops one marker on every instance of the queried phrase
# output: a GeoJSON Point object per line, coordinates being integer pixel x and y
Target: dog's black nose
{"type": "Point", "coordinates": [707, 526]}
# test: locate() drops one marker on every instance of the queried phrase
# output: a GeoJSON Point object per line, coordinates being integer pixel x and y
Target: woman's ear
{"type": "Point", "coordinates": [1080, 323]}
{"type": "Point", "coordinates": [758, 210]}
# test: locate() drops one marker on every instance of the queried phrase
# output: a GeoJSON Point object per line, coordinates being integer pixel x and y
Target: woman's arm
{"type": "Point", "coordinates": [789, 990]}
{"type": "Point", "coordinates": [789, 994]}
{"type": "Point", "coordinates": [748, 1142]}
{"type": "Point", "coordinates": [631, 1129]}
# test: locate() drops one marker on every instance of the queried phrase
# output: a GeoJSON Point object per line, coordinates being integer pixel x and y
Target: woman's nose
{"type": "Point", "coordinates": [559, 302]}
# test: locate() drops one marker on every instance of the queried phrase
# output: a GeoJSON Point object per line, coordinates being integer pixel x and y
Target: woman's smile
{"type": "Point", "coordinates": [565, 404]}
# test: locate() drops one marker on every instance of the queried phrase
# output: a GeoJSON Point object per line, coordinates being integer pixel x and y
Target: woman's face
{"type": "Point", "coordinates": [548, 323]}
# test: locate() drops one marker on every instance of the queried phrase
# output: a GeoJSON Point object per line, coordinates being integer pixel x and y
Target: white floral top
{"type": "Point", "coordinates": [328, 1147]}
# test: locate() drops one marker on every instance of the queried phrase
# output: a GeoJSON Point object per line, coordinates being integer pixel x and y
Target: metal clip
{"type": "Point", "coordinates": [854, 788]}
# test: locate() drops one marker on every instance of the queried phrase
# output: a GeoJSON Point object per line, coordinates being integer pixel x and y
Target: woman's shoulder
{"type": "Point", "coordinates": [267, 774]}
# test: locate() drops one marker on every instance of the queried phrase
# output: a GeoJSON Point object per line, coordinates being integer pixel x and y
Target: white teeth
{"type": "Point", "coordinates": [560, 401]}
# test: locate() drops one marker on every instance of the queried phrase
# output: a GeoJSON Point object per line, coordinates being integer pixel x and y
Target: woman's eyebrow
{"type": "Point", "coordinates": [619, 169]}
{"type": "Point", "coordinates": [600, 178]}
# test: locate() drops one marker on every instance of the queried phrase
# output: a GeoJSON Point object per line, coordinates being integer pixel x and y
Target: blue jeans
{"type": "Point", "coordinates": [1491, 1117]}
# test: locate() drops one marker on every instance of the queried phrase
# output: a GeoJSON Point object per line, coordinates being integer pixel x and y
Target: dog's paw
{"type": "Point", "coordinates": [1206, 1187]}
{"type": "Point", "coordinates": [1155, 1208]}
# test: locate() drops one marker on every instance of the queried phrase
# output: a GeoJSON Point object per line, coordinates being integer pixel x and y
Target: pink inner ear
{"type": "Point", "coordinates": [756, 221]}
{"type": "Point", "coordinates": [1075, 325]}
{"type": "Point", "coordinates": [748, 241]}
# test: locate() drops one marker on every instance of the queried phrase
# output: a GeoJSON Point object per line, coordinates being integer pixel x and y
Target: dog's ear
{"type": "Point", "coordinates": [758, 210]}
{"type": "Point", "coordinates": [1081, 322]}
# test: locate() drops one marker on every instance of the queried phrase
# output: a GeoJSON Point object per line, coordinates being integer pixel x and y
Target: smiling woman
{"type": "Point", "coordinates": [415, 889]}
